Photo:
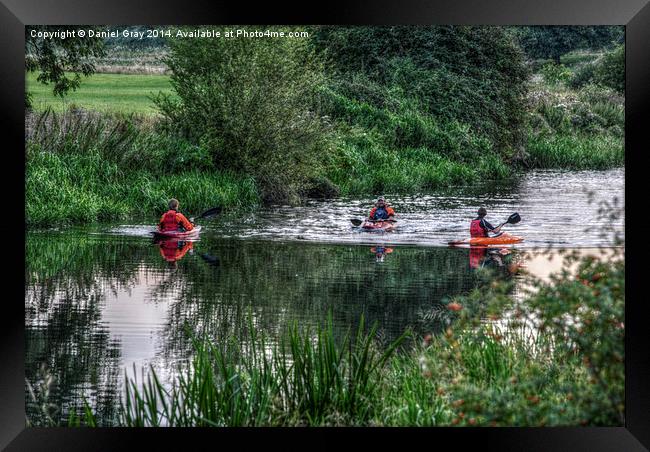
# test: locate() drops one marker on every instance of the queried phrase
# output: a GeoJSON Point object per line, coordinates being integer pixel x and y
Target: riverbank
{"type": "Point", "coordinates": [370, 135]}
{"type": "Point", "coordinates": [84, 167]}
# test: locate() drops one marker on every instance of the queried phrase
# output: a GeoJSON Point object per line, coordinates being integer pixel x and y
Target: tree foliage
{"type": "Point", "coordinates": [469, 75]}
{"type": "Point", "coordinates": [249, 102]}
{"type": "Point", "coordinates": [56, 58]}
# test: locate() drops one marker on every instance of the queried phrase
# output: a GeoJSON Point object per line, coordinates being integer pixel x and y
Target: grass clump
{"type": "Point", "coordinates": [308, 380]}
{"type": "Point", "coordinates": [575, 152]}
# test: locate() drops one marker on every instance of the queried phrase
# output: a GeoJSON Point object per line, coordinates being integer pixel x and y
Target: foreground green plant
{"type": "Point", "coordinates": [307, 381]}
{"type": "Point", "coordinates": [558, 360]}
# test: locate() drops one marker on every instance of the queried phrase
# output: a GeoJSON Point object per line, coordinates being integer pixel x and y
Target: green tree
{"type": "Point", "coordinates": [249, 102]}
{"type": "Point", "coordinates": [56, 58]}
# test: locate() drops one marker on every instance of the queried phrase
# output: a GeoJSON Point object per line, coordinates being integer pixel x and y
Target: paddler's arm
{"type": "Point", "coordinates": [491, 228]}
{"type": "Point", "coordinates": [184, 222]}
{"type": "Point", "coordinates": [391, 213]}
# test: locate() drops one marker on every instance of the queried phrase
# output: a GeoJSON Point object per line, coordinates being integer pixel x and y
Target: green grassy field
{"type": "Point", "coordinates": [115, 93]}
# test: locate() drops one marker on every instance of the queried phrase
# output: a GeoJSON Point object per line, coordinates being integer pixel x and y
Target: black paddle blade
{"type": "Point", "coordinates": [356, 221]}
{"type": "Point", "coordinates": [212, 260]}
{"type": "Point", "coordinates": [210, 213]}
{"type": "Point", "coordinates": [514, 218]}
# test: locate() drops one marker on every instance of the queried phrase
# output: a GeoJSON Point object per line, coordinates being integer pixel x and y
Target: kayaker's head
{"type": "Point", "coordinates": [482, 212]}
{"type": "Point", "coordinates": [173, 204]}
{"type": "Point", "coordinates": [381, 202]}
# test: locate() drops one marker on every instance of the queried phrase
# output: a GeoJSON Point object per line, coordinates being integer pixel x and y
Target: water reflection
{"type": "Point", "coordinates": [380, 252]}
{"type": "Point", "coordinates": [502, 259]}
{"type": "Point", "coordinates": [98, 305]}
{"type": "Point", "coordinates": [173, 250]}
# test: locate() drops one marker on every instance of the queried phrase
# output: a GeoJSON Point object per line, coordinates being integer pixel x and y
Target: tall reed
{"type": "Point", "coordinates": [304, 379]}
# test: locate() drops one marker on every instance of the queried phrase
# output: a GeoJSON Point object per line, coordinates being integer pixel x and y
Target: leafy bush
{"type": "Point", "coordinates": [610, 71]}
{"type": "Point", "coordinates": [552, 357]}
{"type": "Point", "coordinates": [583, 75]}
{"type": "Point", "coordinates": [555, 74]}
{"type": "Point", "coordinates": [249, 103]}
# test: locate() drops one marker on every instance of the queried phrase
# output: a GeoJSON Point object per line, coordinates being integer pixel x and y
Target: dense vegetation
{"type": "Point", "coordinates": [554, 41]}
{"type": "Point", "coordinates": [577, 113]}
{"type": "Point", "coordinates": [350, 110]}
{"type": "Point", "coordinates": [247, 103]}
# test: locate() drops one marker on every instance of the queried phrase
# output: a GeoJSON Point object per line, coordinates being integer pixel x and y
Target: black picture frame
{"type": "Point", "coordinates": [634, 14]}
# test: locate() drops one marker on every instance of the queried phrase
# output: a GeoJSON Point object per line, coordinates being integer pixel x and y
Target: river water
{"type": "Point", "coordinates": [106, 299]}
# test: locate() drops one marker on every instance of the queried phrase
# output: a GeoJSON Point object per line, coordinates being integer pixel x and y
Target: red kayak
{"type": "Point", "coordinates": [379, 225]}
{"type": "Point", "coordinates": [194, 233]}
{"type": "Point", "coordinates": [503, 239]}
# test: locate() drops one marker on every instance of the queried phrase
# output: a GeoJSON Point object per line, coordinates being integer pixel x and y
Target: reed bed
{"type": "Point", "coordinates": [307, 379]}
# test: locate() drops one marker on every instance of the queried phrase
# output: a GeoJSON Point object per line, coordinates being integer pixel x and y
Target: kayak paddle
{"type": "Point", "coordinates": [357, 222]}
{"type": "Point", "coordinates": [208, 213]}
{"type": "Point", "coordinates": [512, 219]}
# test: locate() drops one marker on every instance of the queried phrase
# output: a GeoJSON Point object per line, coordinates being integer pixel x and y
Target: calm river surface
{"type": "Point", "coordinates": [105, 299]}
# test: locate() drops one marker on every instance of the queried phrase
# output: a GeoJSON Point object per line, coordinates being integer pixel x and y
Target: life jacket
{"type": "Point", "coordinates": [169, 221]}
{"type": "Point", "coordinates": [381, 213]}
{"type": "Point", "coordinates": [475, 229]}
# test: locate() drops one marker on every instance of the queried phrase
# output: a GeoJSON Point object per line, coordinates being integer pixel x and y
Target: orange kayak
{"type": "Point", "coordinates": [379, 225]}
{"type": "Point", "coordinates": [503, 239]}
{"type": "Point", "coordinates": [180, 235]}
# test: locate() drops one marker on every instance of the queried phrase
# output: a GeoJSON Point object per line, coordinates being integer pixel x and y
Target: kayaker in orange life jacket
{"type": "Point", "coordinates": [381, 211]}
{"type": "Point", "coordinates": [173, 220]}
{"type": "Point", "coordinates": [479, 227]}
